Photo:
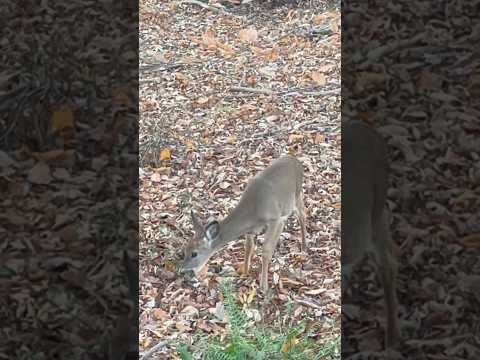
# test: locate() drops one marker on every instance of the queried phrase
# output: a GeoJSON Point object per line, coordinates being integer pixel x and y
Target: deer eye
{"type": "Point", "coordinates": [194, 254]}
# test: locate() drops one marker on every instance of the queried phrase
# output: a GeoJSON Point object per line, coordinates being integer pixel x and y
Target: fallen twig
{"type": "Point", "coordinates": [284, 92]}
{"type": "Point", "coordinates": [160, 345]}
{"type": "Point", "coordinates": [377, 53]}
{"type": "Point", "coordinates": [252, 90]}
{"type": "Point", "coordinates": [205, 6]}
{"type": "Point", "coordinates": [161, 67]}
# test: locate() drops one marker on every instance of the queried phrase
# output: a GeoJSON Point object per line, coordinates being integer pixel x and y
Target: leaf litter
{"type": "Point", "coordinates": [223, 96]}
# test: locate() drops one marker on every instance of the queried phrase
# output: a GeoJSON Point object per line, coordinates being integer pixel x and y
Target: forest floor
{"type": "Point", "coordinates": [222, 95]}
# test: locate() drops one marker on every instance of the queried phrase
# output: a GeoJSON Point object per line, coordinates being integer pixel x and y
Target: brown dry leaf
{"type": "Point", "coordinates": [169, 266]}
{"type": "Point", "coordinates": [203, 100]}
{"type": "Point", "coordinates": [208, 39]}
{"type": "Point", "coordinates": [335, 26]}
{"type": "Point", "coordinates": [472, 240]}
{"type": "Point", "coordinates": [182, 326]}
{"type": "Point", "coordinates": [156, 177]}
{"type": "Point", "coordinates": [52, 155]}
{"type": "Point", "coordinates": [291, 282]}
{"type": "Point", "coordinates": [224, 185]}
{"type": "Point", "coordinates": [231, 140]}
{"type": "Point", "coordinates": [326, 68]}
{"type": "Point", "coordinates": [289, 344]}
{"type": "Point", "coordinates": [294, 138]}
{"type": "Point", "coordinates": [190, 146]}
{"type": "Point", "coordinates": [429, 81]}
{"type": "Point", "coordinates": [241, 268]}
{"type": "Point", "coordinates": [226, 49]}
{"type": "Point", "coordinates": [364, 116]}
{"type": "Point", "coordinates": [251, 295]}
{"type": "Point", "coordinates": [319, 78]}
{"type": "Point", "coordinates": [160, 315]}
{"type": "Point", "coordinates": [40, 174]}
{"type": "Point", "coordinates": [337, 205]}
{"type": "Point", "coordinates": [202, 324]}
{"type": "Point", "coordinates": [272, 54]}
{"type": "Point", "coordinates": [248, 35]}
{"type": "Point", "coordinates": [165, 154]}
{"type": "Point", "coordinates": [314, 291]}
{"type": "Point", "coordinates": [181, 77]}
{"type": "Point", "coordinates": [190, 311]}
{"type": "Point", "coordinates": [62, 119]}
{"type": "Point", "coordinates": [319, 19]}
{"type": "Point", "coordinates": [257, 51]}
{"type": "Point", "coordinates": [252, 81]}
{"type": "Point", "coordinates": [292, 151]}
{"type": "Point", "coordinates": [367, 79]}
{"type": "Point", "coordinates": [121, 97]}
{"type": "Point", "coordinates": [243, 298]}
{"type": "Point", "coordinates": [319, 138]}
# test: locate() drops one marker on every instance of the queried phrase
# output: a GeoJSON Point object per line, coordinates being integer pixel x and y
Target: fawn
{"type": "Point", "coordinates": [365, 217]}
{"type": "Point", "coordinates": [268, 200]}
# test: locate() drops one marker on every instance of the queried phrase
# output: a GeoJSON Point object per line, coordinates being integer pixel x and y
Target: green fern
{"type": "Point", "coordinates": [244, 341]}
{"type": "Point", "coordinates": [183, 352]}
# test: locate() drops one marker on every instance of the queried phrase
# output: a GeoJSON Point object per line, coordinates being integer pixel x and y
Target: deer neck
{"type": "Point", "coordinates": [234, 225]}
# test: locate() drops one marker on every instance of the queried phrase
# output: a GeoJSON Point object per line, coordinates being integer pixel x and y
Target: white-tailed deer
{"type": "Point", "coordinates": [268, 200]}
{"type": "Point", "coordinates": [365, 216]}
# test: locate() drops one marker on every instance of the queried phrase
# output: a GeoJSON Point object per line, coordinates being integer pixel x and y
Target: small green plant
{"type": "Point", "coordinates": [247, 341]}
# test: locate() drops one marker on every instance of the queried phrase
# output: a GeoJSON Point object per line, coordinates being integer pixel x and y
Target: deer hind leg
{"type": "Point", "coordinates": [249, 249]}
{"type": "Point", "coordinates": [387, 273]}
{"type": "Point", "coordinates": [271, 239]}
{"type": "Point", "coordinates": [300, 211]}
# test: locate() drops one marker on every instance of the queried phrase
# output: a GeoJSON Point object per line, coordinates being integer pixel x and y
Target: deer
{"type": "Point", "coordinates": [365, 215]}
{"type": "Point", "coordinates": [268, 200]}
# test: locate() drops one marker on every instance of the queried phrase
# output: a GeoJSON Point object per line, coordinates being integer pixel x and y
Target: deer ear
{"type": "Point", "coordinates": [197, 227]}
{"type": "Point", "coordinates": [212, 230]}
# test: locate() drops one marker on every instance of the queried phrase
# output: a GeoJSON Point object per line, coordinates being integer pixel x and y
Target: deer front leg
{"type": "Point", "coordinates": [271, 239]}
{"type": "Point", "coordinates": [301, 219]}
{"type": "Point", "coordinates": [387, 273]}
{"type": "Point", "coordinates": [249, 249]}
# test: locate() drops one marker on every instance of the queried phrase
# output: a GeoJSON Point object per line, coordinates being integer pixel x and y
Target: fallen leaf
{"type": "Point", "coordinates": [315, 291]}
{"type": "Point", "coordinates": [248, 35]}
{"type": "Point", "coordinates": [62, 119]}
{"type": "Point", "coordinates": [275, 278]}
{"type": "Point", "coordinates": [182, 326]}
{"type": "Point", "coordinates": [226, 49]}
{"type": "Point", "coordinates": [120, 97]}
{"type": "Point", "coordinates": [190, 146]}
{"type": "Point", "coordinates": [319, 78]}
{"type": "Point", "coordinates": [160, 315]}
{"type": "Point", "coordinates": [180, 76]}
{"type": "Point", "coordinates": [231, 140]}
{"type": "Point", "coordinates": [169, 266]}
{"type": "Point", "coordinates": [289, 344]}
{"type": "Point", "coordinates": [203, 100]}
{"type": "Point", "coordinates": [5, 159]}
{"type": "Point", "coordinates": [51, 155]}
{"type": "Point", "coordinates": [251, 295]}
{"type": "Point", "coordinates": [40, 174]}
{"type": "Point", "coordinates": [294, 138]}
{"type": "Point", "coordinates": [165, 154]}
{"type": "Point", "coordinates": [472, 240]}
{"type": "Point", "coordinates": [156, 177]}
{"type": "Point", "coordinates": [190, 311]}
{"type": "Point", "coordinates": [224, 185]}
{"type": "Point", "coordinates": [319, 138]}
{"type": "Point", "coordinates": [241, 268]}
{"type": "Point", "coordinates": [209, 40]}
